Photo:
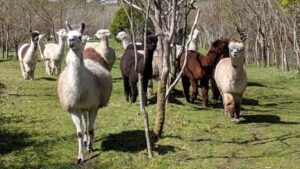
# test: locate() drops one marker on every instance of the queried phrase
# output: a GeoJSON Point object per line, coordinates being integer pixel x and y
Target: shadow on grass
{"type": "Point", "coordinates": [250, 102]}
{"type": "Point", "coordinates": [10, 139]}
{"type": "Point", "coordinates": [263, 119]}
{"type": "Point", "coordinates": [13, 140]}
{"type": "Point", "coordinates": [2, 86]}
{"type": "Point", "coordinates": [255, 84]}
{"type": "Point", "coordinates": [172, 99]}
{"type": "Point", "coordinates": [30, 95]}
{"type": "Point", "coordinates": [46, 78]}
{"type": "Point", "coordinates": [131, 141]}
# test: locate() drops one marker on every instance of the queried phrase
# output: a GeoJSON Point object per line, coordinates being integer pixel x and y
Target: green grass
{"type": "Point", "coordinates": [36, 133]}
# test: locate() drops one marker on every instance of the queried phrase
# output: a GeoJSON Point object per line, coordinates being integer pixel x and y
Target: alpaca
{"type": "Point", "coordinates": [194, 40]}
{"type": "Point", "coordinates": [53, 54]}
{"type": "Point", "coordinates": [201, 68]}
{"type": "Point", "coordinates": [231, 78]}
{"type": "Point", "coordinates": [27, 56]}
{"type": "Point", "coordinates": [130, 75]}
{"type": "Point", "coordinates": [103, 47]}
{"type": "Point", "coordinates": [83, 87]}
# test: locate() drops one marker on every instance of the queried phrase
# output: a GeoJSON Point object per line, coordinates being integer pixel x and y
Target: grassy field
{"type": "Point", "coordinates": [36, 133]}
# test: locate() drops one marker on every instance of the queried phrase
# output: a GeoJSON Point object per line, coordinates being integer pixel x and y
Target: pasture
{"type": "Point", "coordinates": [36, 133]}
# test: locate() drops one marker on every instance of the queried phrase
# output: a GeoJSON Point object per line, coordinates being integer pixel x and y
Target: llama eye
{"type": "Point", "coordinates": [79, 37]}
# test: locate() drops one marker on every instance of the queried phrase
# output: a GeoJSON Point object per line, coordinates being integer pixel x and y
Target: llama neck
{"type": "Point", "coordinates": [104, 43]}
{"type": "Point", "coordinates": [237, 62]}
{"type": "Point", "coordinates": [32, 48]}
{"type": "Point", "coordinates": [126, 42]}
{"type": "Point", "coordinates": [193, 45]}
{"type": "Point", "coordinates": [213, 58]}
{"type": "Point", "coordinates": [75, 67]}
{"type": "Point", "coordinates": [61, 44]}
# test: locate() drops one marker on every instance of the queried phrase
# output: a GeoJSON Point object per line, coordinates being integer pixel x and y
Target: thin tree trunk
{"type": "Point", "coordinates": [6, 42]}
{"type": "Point", "coordinates": [296, 45]}
{"type": "Point", "coordinates": [161, 91]}
{"type": "Point", "coordinates": [142, 95]}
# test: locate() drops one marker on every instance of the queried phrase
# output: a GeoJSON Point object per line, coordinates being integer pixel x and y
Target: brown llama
{"type": "Point", "coordinates": [201, 68]}
{"type": "Point", "coordinates": [130, 75]}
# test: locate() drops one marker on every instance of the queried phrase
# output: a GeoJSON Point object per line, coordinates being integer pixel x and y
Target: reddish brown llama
{"type": "Point", "coordinates": [201, 68]}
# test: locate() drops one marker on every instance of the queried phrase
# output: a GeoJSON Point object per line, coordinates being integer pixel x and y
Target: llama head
{"type": "Point", "coordinates": [236, 51]}
{"type": "Point", "coordinates": [74, 37]}
{"type": "Point", "coordinates": [152, 42]}
{"type": "Point", "coordinates": [102, 34]}
{"type": "Point", "coordinates": [195, 35]}
{"type": "Point", "coordinates": [62, 33]}
{"type": "Point", "coordinates": [220, 47]}
{"type": "Point", "coordinates": [122, 36]}
{"type": "Point", "coordinates": [35, 36]}
{"type": "Point", "coordinates": [236, 46]}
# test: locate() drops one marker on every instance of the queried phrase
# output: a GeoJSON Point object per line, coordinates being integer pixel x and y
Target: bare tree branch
{"type": "Point", "coordinates": [185, 56]}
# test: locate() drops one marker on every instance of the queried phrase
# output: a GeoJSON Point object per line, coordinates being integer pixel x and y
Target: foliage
{"type": "Point", "coordinates": [120, 21]}
{"type": "Point", "coordinates": [36, 133]}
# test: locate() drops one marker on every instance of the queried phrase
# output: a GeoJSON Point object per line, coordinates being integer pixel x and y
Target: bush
{"type": "Point", "coordinates": [120, 23]}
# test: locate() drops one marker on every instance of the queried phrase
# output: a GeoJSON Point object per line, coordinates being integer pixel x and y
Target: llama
{"type": "Point", "coordinates": [231, 78]}
{"type": "Point", "coordinates": [194, 40]}
{"type": "Point", "coordinates": [129, 74]}
{"type": "Point", "coordinates": [83, 87]}
{"type": "Point", "coordinates": [201, 68]}
{"type": "Point", "coordinates": [27, 56]}
{"type": "Point", "coordinates": [156, 69]}
{"type": "Point", "coordinates": [53, 54]}
{"type": "Point", "coordinates": [103, 47]}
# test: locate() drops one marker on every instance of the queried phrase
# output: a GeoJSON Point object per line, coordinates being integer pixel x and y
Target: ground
{"type": "Point", "coordinates": [35, 132]}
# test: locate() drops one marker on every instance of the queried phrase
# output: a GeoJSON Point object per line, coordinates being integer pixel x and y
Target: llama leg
{"type": "Point", "coordinates": [32, 70]}
{"type": "Point", "coordinates": [186, 85]}
{"type": "Point", "coordinates": [23, 70]}
{"type": "Point", "coordinates": [84, 124]}
{"type": "Point", "coordinates": [126, 88]}
{"type": "Point", "coordinates": [92, 118]}
{"type": "Point", "coordinates": [47, 65]}
{"type": "Point", "coordinates": [27, 70]}
{"type": "Point", "coordinates": [214, 89]}
{"type": "Point", "coordinates": [134, 92]}
{"type": "Point", "coordinates": [150, 88]}
{"type": "Point", "coordinates": [229, 104]}
{"type": "Point", "coordinates": [204, 91]}
{"type": "Point", "coordinates": [194, 91]}
{"type": "Point", "coordinates": [237, 108]}
{"type": "Point", "coordinates": [145, 85]}
{"type": "Point", "coordinates": [76, 117]}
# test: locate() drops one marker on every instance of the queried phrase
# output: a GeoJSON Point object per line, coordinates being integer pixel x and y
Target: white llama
{"type": "Point", "coordinates": [54, 53]}
{"type": "Point", "coordinates": [27, 56]}
{"type": "Point", "coordinates": [84, 86]}
{"type": "Point", "coordinates": [103, 47]}
{"type": "Point", "coordinates": [231, 77]}
{"type": "Point", "coordinates": [194, 40]}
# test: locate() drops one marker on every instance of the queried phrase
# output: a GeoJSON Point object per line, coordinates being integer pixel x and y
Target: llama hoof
{"type": "Point", "coordinates": [79, 161]}
{"type": "Point", "coordinates": [237, 120]}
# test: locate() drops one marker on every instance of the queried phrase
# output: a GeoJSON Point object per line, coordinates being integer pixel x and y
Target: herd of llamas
{"type": "Point", "coordinates": [85, 84]}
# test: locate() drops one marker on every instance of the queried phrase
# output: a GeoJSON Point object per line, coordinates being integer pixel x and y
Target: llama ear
{"type": "Point", "coordinates": [69, 28]}
{"type": "Point", "coordinates": [81, 29]}
{"type": "Point", "coordinates": [242, 33]}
